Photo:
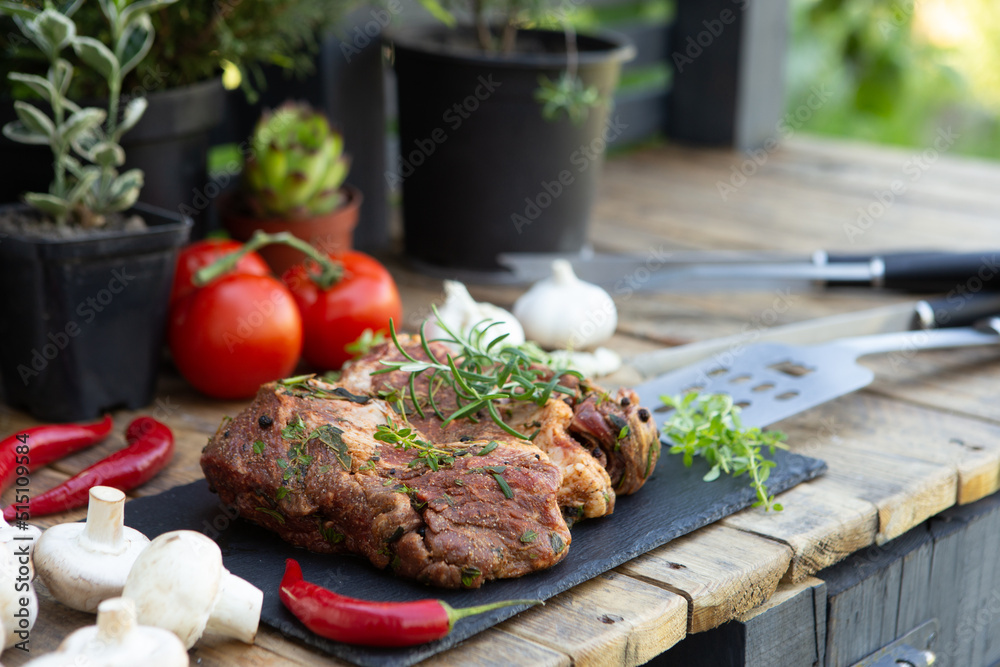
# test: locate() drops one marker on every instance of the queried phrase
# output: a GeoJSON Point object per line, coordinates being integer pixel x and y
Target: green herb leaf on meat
{"type": "Point", "coordinates": [469, 575]}
{"type": "Point", "coordinates": [330, 436]}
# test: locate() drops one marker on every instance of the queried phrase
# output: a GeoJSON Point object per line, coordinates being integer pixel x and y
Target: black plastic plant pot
{"type": "Point", "coordinates": [482, 171]}
{"type": "Point", "coordinates": [170, 144]}
{"type": "Point", "coordinates": [84, 319]}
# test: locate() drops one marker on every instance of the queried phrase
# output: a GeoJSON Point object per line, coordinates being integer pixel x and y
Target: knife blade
{"type": "Point", "coordinates": [948, 312]}
{"type": "Point", "coordinates": [909, 271]}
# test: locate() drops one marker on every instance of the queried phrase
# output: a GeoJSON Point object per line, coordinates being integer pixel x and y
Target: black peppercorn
{"type": "Point", "coordinates": [625, 402]}
{"type": "Point", "coordinates": [465, 438]}
{"type": "Point", "coordinates": [643, 415]}
{"type": "Point", "coordinates": [265, 421]}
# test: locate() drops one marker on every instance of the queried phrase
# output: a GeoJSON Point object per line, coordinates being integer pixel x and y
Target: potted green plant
{"type": "Point", "coordinates": [294, 181]}
{"type": "Point", "coordinates": [85, 271]}
{"type": "Point", "coordinates": [182, 80]}
{"type": "Point", "coordinates": [502, 133]}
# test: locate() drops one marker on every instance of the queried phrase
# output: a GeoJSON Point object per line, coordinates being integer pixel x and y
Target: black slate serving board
{"type": "Point", "coordinates": [673, 502]}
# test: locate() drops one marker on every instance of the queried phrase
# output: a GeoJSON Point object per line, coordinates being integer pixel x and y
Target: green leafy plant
{"type": "Point", "coordinates": [90, 189]}
{"type": "Point", "coordinates": [496, 24]}
{"type": "Point", "coordinates": [709, 427]}
{"type": "Point", "coordinates": [297, 166]}
{"type": "Point", "coordinates": [195, 39]}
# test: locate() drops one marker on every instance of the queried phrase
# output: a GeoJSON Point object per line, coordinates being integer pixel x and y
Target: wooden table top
{"type": "Point", "coordinates": [923, 437]}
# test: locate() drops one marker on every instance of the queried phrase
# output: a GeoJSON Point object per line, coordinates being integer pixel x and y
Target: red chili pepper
{"type": "Point", "coordinates": [46, 444]}
{"type": "Point", "coordinates": [151, 446]}
{"type": "Point", "coordinates": [367, 623]}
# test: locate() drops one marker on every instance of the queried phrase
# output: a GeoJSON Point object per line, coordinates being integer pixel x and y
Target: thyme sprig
{"type": "Point", "coordinates": [710, 427]}
{"type": "Point", "coordinates": [405, 438]}
{"type": "Point", "coordinates": [483, 371]}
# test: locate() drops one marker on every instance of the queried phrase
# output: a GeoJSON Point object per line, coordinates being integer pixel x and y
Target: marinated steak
{"type": "Point", "coordinates": [353, 467]}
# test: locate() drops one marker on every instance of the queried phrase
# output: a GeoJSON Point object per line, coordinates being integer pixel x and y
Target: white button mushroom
{"type": "Point", "coordinates": [179, 584]}
{"type": "Point", "coordinates": [20, 541]}
{"type": "Point", "coordinates": [461, 312]}
{"type": "Point", "coordinates": [18, 604]}
{"type": "Point", "coordinates": [84, 563]}
{"type": "Point", "coordinates": [565, 312]}
{"type": "Point", "coordinates": [116, 641]}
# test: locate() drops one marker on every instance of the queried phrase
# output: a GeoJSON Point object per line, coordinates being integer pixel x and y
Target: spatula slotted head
{"type": "Point", "coordinates": [770, 381]}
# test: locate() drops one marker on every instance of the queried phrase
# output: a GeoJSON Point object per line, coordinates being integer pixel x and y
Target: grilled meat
{"type": "Point", "coordinates": [303, 461]}
{"type": "Point", "coordinates": [307, 467]}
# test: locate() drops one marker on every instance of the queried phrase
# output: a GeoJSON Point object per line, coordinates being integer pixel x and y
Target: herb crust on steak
{"type": "Point", "coordinates": [347, 467]}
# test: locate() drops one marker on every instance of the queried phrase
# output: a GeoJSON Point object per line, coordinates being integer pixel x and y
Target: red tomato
{"type": "Point", "coordinates": [202, 253]}
{"type": "Point", "coordinates": [364, 298]}
{"type": "Point", "coordinates": [235, 334]}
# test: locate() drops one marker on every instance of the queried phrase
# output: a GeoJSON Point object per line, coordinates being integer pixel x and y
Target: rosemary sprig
{"type": "Point", "coordinates": [709, 427]}
{"type": "Point", "coordinates": [405, 438]}
{"type": "Point", "coordinates": [482, 372]}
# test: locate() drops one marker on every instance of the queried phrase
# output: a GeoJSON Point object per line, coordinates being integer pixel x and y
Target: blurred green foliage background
{"type": "Point", "coordinates": [900, 70]}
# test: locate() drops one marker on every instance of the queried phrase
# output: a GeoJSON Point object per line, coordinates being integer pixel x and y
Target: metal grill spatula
{"type": "Point", "coordinates": [773, 381]}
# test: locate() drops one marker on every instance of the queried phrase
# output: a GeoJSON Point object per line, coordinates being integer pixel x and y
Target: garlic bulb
{"type": "Point", "coordinates": [565, 312]}
{"type": "Point", "coordinates": [461, 312]}
{"type": "Point", "coordinates": [601, 361]}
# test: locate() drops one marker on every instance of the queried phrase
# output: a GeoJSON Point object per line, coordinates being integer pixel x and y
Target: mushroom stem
{"type": "Point", "coordinates": [105, 529]}
{"type": "Point", "coordinates": [84, 563]}
{"type": "Point", "coordinates": [237, 612]}
{"type": "Point", "coordinates": [115, 620]}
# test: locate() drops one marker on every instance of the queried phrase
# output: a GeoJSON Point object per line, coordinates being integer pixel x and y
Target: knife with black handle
{"type": "Point", "coordinates": [923, 272]}
{"type": "Point", "coordinates": [916, 271]}
{"type": "Point", "coordinates": [952, 311]}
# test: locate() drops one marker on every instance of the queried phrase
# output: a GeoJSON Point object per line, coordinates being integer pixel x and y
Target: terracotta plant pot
{"type": "Point", "coordinates": [330, 233]}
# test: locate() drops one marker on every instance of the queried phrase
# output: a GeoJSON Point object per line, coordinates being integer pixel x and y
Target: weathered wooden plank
{"type": "Point", "coordinates": [283, 648]}
{"type": "Point", "coordinates": [496, 648]}
{"type": "Point", "coordinates": [863, 594]}
{"type": "Point", "coordinates": [789, 629]}
{"type": "Point", "coordinates": [820, 523]}
{"type": "Point", "coordinates": [959, 381]}
{"type": "Point", "coordinates": [786, 631]}
{"type": "Point", "coordinates": [722, 572]}
{"type": "Point", "coordinates": [905, 490]}
{"type": "Point", "coordinates": [610, 620]}
{"type": "Point", "coordinates": [866, 422]}
{"type": "Point", "coordinates": [965, 581]}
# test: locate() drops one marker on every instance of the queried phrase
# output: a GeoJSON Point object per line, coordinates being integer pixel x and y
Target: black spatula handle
{"type": "Point", "coordinates": [957, 310]}
{"type": "Point", "coordinates": [925, 271]}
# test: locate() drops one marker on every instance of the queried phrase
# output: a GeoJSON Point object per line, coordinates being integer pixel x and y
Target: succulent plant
{"type": "Point", "coordinates": [297, 166]}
